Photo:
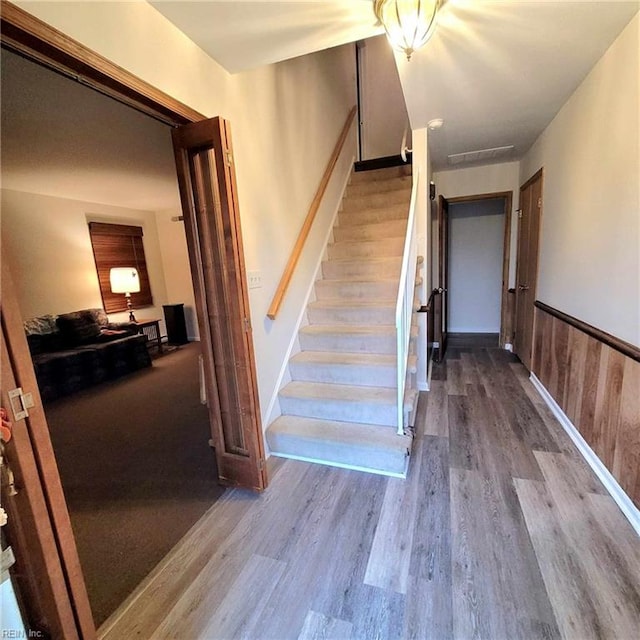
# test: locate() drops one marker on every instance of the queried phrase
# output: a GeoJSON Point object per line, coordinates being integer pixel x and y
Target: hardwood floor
{"type": "Point", "coordinates": [501, 531]}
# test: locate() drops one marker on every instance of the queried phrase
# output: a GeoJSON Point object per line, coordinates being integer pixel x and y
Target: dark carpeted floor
{"type": "Point", "coordinates": [137, 471]}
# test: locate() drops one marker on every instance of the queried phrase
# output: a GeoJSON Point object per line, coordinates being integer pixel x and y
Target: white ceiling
{"type": "Point", "coordinates": [245, 34]}
{"type": "Point", "coordinates": [496, 71]}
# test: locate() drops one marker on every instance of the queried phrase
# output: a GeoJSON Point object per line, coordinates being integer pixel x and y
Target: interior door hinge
{"type": "Point", "coordinates": [539, 203]}
{"type": "Point", "coordinates": [261, 463]}
{"type": "Point", "coordinates": [519, 212]}
{"type": "Point", "coordinates": [228, 157]}
{"type": "Point", "coordinates": [20, 403]}
{"type": "Point", "coordinates": [247, 325]}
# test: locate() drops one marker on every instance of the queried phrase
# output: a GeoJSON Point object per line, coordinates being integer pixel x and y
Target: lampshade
{"type": "Point", "coordinates": [124, 280]}
{"type": "Point", "coordinates": [408, 23]}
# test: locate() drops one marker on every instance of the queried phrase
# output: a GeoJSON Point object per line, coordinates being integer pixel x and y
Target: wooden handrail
{"type": "Point", "coordinates": [625, 348]}
{"type": "Point", "coordinates": [308, 221]}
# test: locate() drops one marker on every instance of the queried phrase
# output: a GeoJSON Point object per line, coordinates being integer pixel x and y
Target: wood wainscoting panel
{"type": "Point", "coordinates": [626, 460]}
{"type": "Point", "coordinates": [598, 387]}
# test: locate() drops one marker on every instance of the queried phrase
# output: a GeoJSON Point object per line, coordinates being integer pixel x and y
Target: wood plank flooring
{"type": "Point", "coordinates": [501, 531]}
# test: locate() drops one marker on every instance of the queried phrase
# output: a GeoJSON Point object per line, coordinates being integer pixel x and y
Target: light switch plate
{"type": "Point", "coordinates": [255, 279]}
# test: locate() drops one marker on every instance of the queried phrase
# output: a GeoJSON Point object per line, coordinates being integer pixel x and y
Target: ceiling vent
{"type": "Point", "coordinates": [483, 155]}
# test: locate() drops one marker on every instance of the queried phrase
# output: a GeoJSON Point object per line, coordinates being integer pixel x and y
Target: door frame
{"type": "Point", "coordinates": [37, 41]}
{"type": "Point", "coordinates": [520, 295]}
{"type": "Point", "coordinates": [441, 301]}
{"type": "Point", "coordinates": [506, 253]}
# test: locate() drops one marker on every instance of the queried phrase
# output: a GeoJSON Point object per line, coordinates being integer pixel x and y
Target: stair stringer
{"type": "Point", "coordinates": [284, 376]}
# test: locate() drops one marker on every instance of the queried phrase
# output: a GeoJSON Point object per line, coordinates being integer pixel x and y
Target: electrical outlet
{"type": "Point", "coordinates": [255, 279]}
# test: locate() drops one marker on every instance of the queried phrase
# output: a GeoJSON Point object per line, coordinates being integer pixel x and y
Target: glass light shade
{"type": "Point", "coordinates": [408, 23]}
{"type": "Point", "coordinates": [124, 280]}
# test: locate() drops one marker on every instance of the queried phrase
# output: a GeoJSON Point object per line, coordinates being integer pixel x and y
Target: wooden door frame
{"type": "Point", "coordinates": [506, 252]}
{"type": "Point", "coordinates": [538, 175]}
{"type": "Point", "coordinates": [440, 309]}
{"type": "Point", "coordinates": [39, 522]}
{"type": "Point", "coordinates": [30, 37]}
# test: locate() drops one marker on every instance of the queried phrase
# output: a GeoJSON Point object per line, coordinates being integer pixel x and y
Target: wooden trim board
{"type": "Point", "coordinates": [385, 162]}
{"type": "Point", "coordinates": [625, 348]}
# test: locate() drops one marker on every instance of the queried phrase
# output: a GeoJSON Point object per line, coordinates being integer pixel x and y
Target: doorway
{"type": "Point", "coordinates": [67, 610]}
{"type": "Point", "coordinates": [473, 248]}
{"type": "Point", "coordinates": [132, 450]}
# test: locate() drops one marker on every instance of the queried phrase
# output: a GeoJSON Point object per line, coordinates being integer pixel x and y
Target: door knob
{"type": "Point", "coordinates": [523, 287]}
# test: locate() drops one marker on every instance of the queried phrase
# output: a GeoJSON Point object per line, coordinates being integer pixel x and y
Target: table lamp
{"type": "Point", "coordinates": [125, 280]}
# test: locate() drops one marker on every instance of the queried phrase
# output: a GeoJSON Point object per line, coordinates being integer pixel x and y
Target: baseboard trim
{"type": "Point", "coordinates": [627, 507]}
{"type": "Point", "coordinates": [340, 465]}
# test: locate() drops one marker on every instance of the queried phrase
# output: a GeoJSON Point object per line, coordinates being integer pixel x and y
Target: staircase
{"type": "Point", "coordinates": [340, 407]}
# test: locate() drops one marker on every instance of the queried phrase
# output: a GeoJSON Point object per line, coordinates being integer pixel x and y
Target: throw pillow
{"type": "Point", "coordinates": [78, 327]}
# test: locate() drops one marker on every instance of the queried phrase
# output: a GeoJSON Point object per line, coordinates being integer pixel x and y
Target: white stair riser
{"type": "Point", "coordinates": [350, 342]}
{"type": "Point", "coordinates": [359, 203]}
{"type": "Point", "coordinates": [356, 218]}
{"type": "Point", "coordinates": [361, 456]}
{"type": "Point", "coordinates": [377, 231]}
{"type": "Point", "coordinates": [331, 409]}
{"type": "Point", "coordinates": [378, 460]}
{"type": "Point", "coordinates": [351, 315]}
{"type": "Point", "coordinates": [378, 186]}
{"type": "Point", "coordinates": [338, 269]}
{"type": "Point", "coordinates": [354, 290]}
{"type": "Point", "coordinates": [351, 374]}
{"type": "Point", "coordinates": [370, 248]}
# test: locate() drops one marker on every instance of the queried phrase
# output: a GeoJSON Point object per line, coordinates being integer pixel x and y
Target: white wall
{"type": "Point", "coordinates": [49, 251]}
{"type": "Point", "coordinates": [383, 110]}
{"type": "Point", "coordinates": [285, 121]}
{"type": "Point", "coordinates": [490, 178]}
{"type": "Point", "coordinates": [476, 239]}
{"type": "Point", "coordinates": [590, 239]}
{"type": "Point", "coordinates": [175, 262]}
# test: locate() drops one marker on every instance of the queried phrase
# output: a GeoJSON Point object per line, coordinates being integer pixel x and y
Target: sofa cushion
{"type": "Point", "coordinates": [40, 325]}
{"type": "Point", "coordinates": [79, 327]}
{"type": "Point", "coordinates": [45, 343]}
{"type": "Point", "coordinates": [100, 317]}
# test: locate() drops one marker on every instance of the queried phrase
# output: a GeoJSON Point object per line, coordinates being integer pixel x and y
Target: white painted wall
{"type": "Point", "coordinates": [382, 108]}
{"type": "Point", "coordinates": [490, 178]}
{"type": "Point", "coordinates": [476, 239]}
{"type": "Point", "coordinates": [49, 251]}
{"type": "Point", "coordinates": [590, 239]}
{"type": "Point", "coordinates": [285, 121]}
{"type": "Point", "coordinates": [175, 263]}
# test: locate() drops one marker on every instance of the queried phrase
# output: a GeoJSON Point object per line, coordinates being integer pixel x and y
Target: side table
{"type": "Point", "coordinates": [151, 329]}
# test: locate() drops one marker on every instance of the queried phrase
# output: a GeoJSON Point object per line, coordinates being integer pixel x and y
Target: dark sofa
{"type": "Point", "coordinates": [77, 350]}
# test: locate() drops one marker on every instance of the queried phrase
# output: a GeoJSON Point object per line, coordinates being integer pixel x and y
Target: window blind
{"type": "Point", "coordinates": [118, 245]}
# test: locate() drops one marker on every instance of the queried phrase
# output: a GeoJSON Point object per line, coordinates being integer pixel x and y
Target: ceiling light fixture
{"type": "Point", "coordinates": [408, 23]}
